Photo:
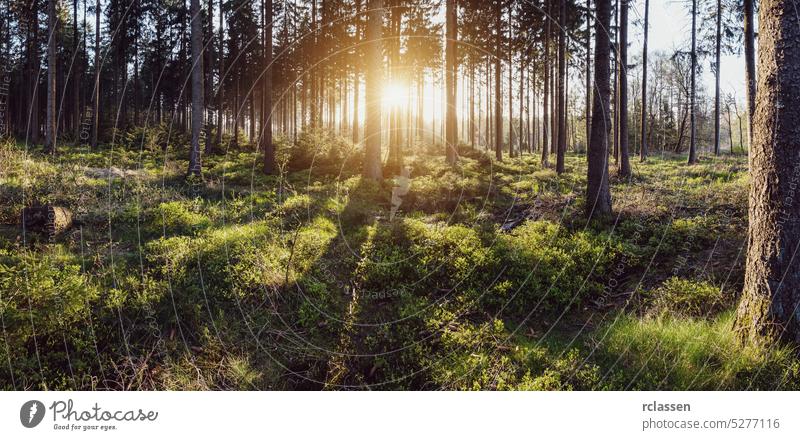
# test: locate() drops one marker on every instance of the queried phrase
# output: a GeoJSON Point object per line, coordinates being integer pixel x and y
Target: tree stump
{"type": "Point", "coordinates": [47, 219]}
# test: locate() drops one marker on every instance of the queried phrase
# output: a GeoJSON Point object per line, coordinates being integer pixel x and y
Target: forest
{"type": "Point", "coordinates": [398, 195]}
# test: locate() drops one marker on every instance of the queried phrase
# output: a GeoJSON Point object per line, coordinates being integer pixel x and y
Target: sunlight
{"type": "Point", "coordinates": [395, 95]}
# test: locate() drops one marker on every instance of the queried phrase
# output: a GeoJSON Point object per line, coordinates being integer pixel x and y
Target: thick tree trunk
{"type": "Point", "coordinates": [374, 79]}
{"type": "Point", "coordinates": [450, 79]}
{"type": "Point", "coordinates": [750, 66]}
{"type": "Point", "coordinates": [624, 162]}
{"type": "Point", "coordinates": [598, 194]}
{"type": "Point", "coordinates": [693, 92]}
{"type": "Point", "coordinates": [643, 149]}
{"type": "Point", "coordinates": [770, 304]}
{"type": "Point", "coordinates": [195, 166]}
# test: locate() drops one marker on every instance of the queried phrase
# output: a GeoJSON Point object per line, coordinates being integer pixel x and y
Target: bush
{"type": "Point", "coordinates": [176, 218]}
{"type": "Point", "coordinates": [45, 304]}
{"type": "Point", "coordinates": [687, 297]}
{"type": "Point", "coordinates": [548, 265]}
{"type": "Point", "coordinates": [324, 153]}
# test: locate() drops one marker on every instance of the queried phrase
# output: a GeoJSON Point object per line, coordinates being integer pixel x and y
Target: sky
{"type": "Point", "coordinates": [670, 28]}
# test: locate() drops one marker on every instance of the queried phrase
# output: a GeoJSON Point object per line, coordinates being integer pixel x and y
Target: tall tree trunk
{"type": "Point", "coordinates": [771, 296]}
{"type": "Point", "coordinates": [451, 120]}
{"type": "Point", "coordinates": [716, 75]}
{"type": "Point", "coordinates": [546, 94]}
{"type": "Point", "coordinates": [562, 92]}
{"type": "Point", "coordinates": [498, 79]}
{"type": "Point", "coordinates": [472, 104]}
{"type": "Point", "coordinates": [750, 66]}
{"type": "Point", "coordinates": [356, 78]}
{"type": "Point", "coordinates": [693, 92]}
{"type": "Point", "coordinates": [643, 149]}
{"type": "Point", "coordinates": [77, 68]}
{"type": "Point", "coordinates": [52, 33]}
{"type": "Point", "coordinates": [208, 45]}
{"type": "Point", "coordinates": [315, 110]}
{"type": "Point", "coordinates": [373, 80]}
{"type": "Point", "coordinates": [195, 166]}
{"type": "Point", "coordinates": [624, 164]}
{"type": "Point", "coordinates": [615, 108]}
{"type": "Point", "coordinates": [220, 82]}
{"type": "Point", "coordinates": [266, 90]}
{"type": "Point", "coordinates": [589, 68]}
{"type": "Point", "coordinates": [511, 136]}
{"type": "Point", "coordinates": [521, 133]}
{"type": "Point", "coordinates": [598, 194]}
{"type": "Point", "coordinates": [96, 88]}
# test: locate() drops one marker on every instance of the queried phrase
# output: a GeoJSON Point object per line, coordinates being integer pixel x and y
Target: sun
{"type": "Point", "coordinates": [394, 95]}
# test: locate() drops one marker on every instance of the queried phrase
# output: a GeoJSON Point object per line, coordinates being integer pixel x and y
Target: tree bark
{"type": "Point", "coordinates": [546, 92]}
{"type": "Point", "coordinates": [356, 78]}
{"type": "Point", "coordinates": [643, 148]}
{"type": "Point", "coordinates": [693, 92]}
{"type": "Point", "coordinates": [750, 66]}
{"type": "Point", "coordinates": [266, 90]}
{"type": "Point", "coordinates": [562, 97]}
{"type": "Point", "coordinates": [450, 78]}
{"type": "Point", "coordinates": [195, 166]}
{"type": "Point", "coordinates": [716, 75]}
{"type": "Point", "coordinates": [52, 33]}
{"type": "Point", "coordinates": [498, 95]}
{"type": "Point", "coordinates": [770, 304]}
{"type": "Point", "coordinates": [96, 88]}
{"type": "Point", "coordinates": [624, 162]}
{"type": "Point", "coordinates": [589, 68]}
{"type": "Point", "coordinates": [598, 194]}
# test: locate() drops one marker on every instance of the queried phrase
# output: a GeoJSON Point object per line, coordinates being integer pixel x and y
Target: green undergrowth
{"type": "Point", "coordinates": [306, 280]}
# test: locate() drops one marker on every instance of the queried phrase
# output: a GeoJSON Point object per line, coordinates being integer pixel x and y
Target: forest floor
{"type": "Point", "coordinates": [487, 277]}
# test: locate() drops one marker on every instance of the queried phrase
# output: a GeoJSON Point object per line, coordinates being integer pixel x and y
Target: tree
{"type": "Point", "coordinates": [96, 88]}
{"type": "Point", "coordinates": [197, 87]}
{"type": "Point", "coordinates": [221, 73]}
{"type": "Point", "coordinates": [624, 164]}
{"type": "Point", "coordinates": [750, 66]}
{"type": "Point", "coordinates": [598, 193]}
{"type": "Point", "coordinates": [589, 68]}
{"type": "Point", "coordinates": [266, 93]}
{"type": "Point", "coordinates": [718, 50]}
{"type": "Point", "coordinates": [373, 80]}
{"type": "Point", "coordinates": [52, 34]}
{"type": "Point", "coordinates": [546, 93]}
{"type": "Point", "coordinates": [562, 96]}
{"type": "Point", "coordinates": [771, 295]}
{"type": "Point", "coordinates": [693, 92]}
{"type": "Point", "coordinates": [451, 129]}
{"type": "Point", "coordinates": [498, 92]}
{"type": "Point", "coordinates": [643, 149]}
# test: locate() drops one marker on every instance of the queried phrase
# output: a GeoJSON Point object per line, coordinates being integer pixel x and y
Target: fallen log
{"type": "Point", "coordinates": [47, 219]}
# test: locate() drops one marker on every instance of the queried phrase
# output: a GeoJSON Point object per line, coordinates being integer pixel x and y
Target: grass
{"type": "Point", "coordinates": [301, 280]}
